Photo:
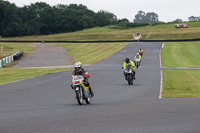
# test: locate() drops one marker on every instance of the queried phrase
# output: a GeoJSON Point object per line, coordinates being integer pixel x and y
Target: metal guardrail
{"type": "Point", "coordinates": [103, 41]}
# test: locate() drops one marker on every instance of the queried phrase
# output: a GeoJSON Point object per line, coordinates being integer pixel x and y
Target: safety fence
{"type": "Point", "coordinates": [14, 57]}
{"type": "Point", "coordinates": [103, 41]}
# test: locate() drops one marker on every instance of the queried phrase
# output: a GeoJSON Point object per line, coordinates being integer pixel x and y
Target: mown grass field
{"type": "Point", "coordinates": [181, 83]}
{"type": "Point", "coordinates": [89, 53]}
{"type": "Point", "coordinates": [181, 54]}
{"type": "Point", "coordinates": [14, 74]}
{"type": "Point", "coordinates": [157, 32]}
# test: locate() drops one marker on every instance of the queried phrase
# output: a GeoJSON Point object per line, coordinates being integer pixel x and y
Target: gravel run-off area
{"type": "Point", "coordinates": [46, 55]}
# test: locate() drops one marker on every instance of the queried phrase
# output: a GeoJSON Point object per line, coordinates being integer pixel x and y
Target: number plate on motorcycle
{"type": "Point", "coordinates": [77, 82]}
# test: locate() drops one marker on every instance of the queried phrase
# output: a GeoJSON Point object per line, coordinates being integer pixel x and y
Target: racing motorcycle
{"type": "Point", "coordinates": [129, 74]}
{"type": "Point", "coordinates": [82, 91]}
{"type": "Point", "coordinates": [137, 62]}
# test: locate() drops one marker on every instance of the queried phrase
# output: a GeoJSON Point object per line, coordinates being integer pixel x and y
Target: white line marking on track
{"type": "Point", "coordinates": [161, 74]}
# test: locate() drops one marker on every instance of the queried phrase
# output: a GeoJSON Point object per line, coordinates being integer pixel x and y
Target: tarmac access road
{"type": "Point", "coordinates": [47, 104]}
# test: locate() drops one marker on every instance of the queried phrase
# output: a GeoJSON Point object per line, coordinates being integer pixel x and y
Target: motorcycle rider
{"type": "Point", "coordinates": [79, 70]}
{"type": "Point", "coordinates": [127, 61]}
{"type": "Point", "coordinates": [141, 50]}
{"type": "Point", "coordinates": [137, 56]}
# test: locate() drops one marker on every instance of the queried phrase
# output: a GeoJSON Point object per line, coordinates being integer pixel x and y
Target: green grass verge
{"type": "Point", "coordinates": [86, 53]}
{"type": "Point", "coordinates": [10, 48]}
{"type": "Point", "coordinates": [89, 53]}
{"type": "Point", "coordinates": [14, 74]}
{"type": "Point", "coordinates": [157, 32]}
{"type": "Point", "coordinates": [181, 84]}
{"type": "Point", "coordinates": [181, 54]}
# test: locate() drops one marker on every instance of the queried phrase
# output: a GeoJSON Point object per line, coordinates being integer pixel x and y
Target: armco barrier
{"type": "Point", "coordinates": [104, 41]}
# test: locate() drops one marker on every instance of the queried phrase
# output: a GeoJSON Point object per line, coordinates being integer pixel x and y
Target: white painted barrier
{"type": "Point", "coordinates": [7, 60]}
{"type": "Point", "coordinates": [12, 58]}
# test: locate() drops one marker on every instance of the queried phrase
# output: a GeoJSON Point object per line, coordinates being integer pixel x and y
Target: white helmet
{"type": "Point", "coordinates": [78, 66]}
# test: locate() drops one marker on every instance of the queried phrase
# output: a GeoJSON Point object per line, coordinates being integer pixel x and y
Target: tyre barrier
{"type": "Point", "coordinates": [16, 56]}
{"type": "Point", "coordinates": [3, 62]}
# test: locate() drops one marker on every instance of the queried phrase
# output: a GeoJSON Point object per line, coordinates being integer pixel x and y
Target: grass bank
{"type": "Point", "coordinates": [10, 48]}
{"type": "Point", "coordinates": [14, 74]}
{"type": "Point", "coordinates": [157, 32]}
{"type": "Point", "coordinates": [181, 54]}
{"type": "Point", "coordinates": [86, 53]}
{"type": "Point", "coordinates": [89, 53]}
{"type": "Point", "coordinates": [181, 84]}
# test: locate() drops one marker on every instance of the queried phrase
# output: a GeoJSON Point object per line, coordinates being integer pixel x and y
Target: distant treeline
{"type": "Point", "coordinates": [40, 18]}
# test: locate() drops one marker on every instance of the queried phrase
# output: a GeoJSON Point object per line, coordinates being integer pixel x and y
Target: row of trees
{"type": "Point", "coordinates": [40, 18]}
{"type": "Point", "coordinates": [193, 18]}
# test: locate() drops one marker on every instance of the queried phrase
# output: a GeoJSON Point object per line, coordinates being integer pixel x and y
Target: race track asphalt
{"type": "Point", "coordinates": [47, 104]}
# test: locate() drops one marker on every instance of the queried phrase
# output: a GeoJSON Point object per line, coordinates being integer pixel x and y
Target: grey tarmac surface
{"type": "Point", "coordinates": [47, 104]}
{"type": "Point", "coordinates": [45, 55]}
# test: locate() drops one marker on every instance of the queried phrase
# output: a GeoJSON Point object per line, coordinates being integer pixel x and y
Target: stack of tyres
{"type": "Point", "coordinates": [17, 55]}
{"type": "Point", "coordinates": [20, 54]}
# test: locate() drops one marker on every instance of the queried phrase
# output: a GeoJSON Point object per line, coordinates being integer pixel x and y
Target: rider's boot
{"type": "Point", "coordinates": [133, 75]}
{"type": "Point", "coordinates": [72, 87]}
{"type": "Point", "coordinates": [91, 92]}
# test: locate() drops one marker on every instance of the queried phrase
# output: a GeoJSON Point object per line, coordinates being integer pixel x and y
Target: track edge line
{"type": "Point", "coordinates": [161, 74]}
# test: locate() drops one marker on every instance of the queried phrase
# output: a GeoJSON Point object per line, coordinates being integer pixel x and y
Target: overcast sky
{"type": "Point", "coordinates": [167, 10]}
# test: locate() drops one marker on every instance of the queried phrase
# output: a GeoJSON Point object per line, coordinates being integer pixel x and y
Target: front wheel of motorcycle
{"type": "Point", "coordinates": [129, 79]}
{"type": "Point", "coordinates": [79, 96]}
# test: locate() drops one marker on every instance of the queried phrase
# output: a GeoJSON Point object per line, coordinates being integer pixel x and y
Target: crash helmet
{"type": "Point", "coordinates": [127, 60]}
{"type": "Point", "coordinates": [140, 49]}
{"type": "Point", "coordinates": [78, 66]}
{"type": "Point", "coordinates": [137, 54]}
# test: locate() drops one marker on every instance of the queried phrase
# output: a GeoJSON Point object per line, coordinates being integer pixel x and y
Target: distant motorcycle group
{"type": "Point", "coordinates": [80, 77]}
{"type": "Point", "coordinates": [129, 67]}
